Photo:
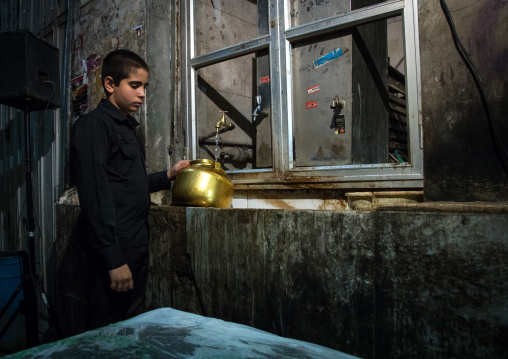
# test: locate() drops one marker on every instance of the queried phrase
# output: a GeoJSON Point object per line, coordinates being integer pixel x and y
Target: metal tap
{"type": "Point", "coordinates": [259, 109]}
{"type": "Point", "coordinates": [222, 123]}
{"type": "Point", "coordinates": [337, 103]}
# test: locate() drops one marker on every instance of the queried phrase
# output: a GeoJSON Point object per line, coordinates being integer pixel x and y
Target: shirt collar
{"type": "Point", "coordinates": [113, 111]}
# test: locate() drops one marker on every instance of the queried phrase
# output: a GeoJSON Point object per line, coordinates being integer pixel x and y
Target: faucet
{"type": "Point", "coordinates": [222, 123]}
{"type": "Point", "coordinates": [259, 109]}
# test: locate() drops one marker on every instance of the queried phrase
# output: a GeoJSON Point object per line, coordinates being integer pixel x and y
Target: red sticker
{"type": "Point", "coordinates": [264, 80]}
{"type": "Point", "coordinates": [311, 104]}
{"type": "Point", "coordinates": [313, 89]}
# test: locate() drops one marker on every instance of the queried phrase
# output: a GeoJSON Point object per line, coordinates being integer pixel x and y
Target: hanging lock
{"type": "Point", "coordinates": [338, 120]}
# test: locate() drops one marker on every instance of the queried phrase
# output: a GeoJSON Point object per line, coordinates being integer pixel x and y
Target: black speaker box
{"type": "Point", "coordinates": [28, 71]}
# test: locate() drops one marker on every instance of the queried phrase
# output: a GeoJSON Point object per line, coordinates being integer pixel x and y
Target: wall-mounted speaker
{"type": "Point", "coordinates": [29, 72]}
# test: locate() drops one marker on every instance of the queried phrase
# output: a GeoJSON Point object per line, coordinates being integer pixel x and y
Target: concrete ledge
{"type": "Point", "coordinates": [367, 201]}
{"type": "Point", "coordinates": [448, 207]}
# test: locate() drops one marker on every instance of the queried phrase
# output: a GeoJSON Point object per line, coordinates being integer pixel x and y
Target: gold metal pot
{"type": "Point", "coordinates": [202, 184]}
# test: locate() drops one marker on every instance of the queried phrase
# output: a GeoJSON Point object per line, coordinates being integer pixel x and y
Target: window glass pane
{"type": "Point", "coordinates": [305, 11]}
{"type": "Point", "coordinates": [222, 23]}
{"type": "Point", "coordinates": [233, 86]}
{"type": "Point", "coordinates": [349, 97]}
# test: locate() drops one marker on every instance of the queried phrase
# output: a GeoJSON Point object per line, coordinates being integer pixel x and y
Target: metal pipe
{"type": "Point", "coordinates": [223, 143]}
{"type": "Point", "coordinates": [222, 130]}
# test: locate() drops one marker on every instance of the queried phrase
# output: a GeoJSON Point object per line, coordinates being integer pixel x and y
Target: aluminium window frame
{"type": "Point", "coordinates": [281, 36]}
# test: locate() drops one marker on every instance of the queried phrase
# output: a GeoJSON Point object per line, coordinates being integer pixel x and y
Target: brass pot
{"type": "Point", "coordinates": [202, 184]}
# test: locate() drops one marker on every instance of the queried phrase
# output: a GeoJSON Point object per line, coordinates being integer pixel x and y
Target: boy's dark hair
{"type": "Point", "coordinates": [119, 64]}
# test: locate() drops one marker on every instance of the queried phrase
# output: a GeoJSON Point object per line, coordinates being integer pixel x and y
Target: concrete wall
{"type": "Point", "coordinates": [419, 281]}
{"type": "Point", "coordinates": [102, 26]}
{"type": "Point", "coordinates": [400, 282]}
{"type": "Point", "coordinates": [460, 159]}
{"type": "Point", "coordinates": [406, 282]}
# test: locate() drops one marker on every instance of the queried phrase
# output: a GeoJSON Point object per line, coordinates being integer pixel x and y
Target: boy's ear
{"type": "Point", "coordinates": [109, 84]}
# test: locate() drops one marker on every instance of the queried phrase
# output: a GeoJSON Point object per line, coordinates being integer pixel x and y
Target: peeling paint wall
{"type": "Point", "coordinates": [100, 27]}
{"type": "Point", "coordinates": [148, 28]}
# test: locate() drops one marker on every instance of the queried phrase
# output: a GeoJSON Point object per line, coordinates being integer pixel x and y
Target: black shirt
{"type": "Point", "coordinates": [113, 187]}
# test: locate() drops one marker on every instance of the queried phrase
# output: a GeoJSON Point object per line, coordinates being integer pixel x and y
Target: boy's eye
{"type": "Point", "coordinates": [136, 84]}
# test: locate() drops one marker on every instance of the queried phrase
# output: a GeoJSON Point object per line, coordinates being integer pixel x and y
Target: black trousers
{"type": "Point", "coordinates": [106, 306]}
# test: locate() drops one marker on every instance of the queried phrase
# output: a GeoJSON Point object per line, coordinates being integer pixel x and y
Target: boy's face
{"type": "Point", "coordinates": [130, 94]}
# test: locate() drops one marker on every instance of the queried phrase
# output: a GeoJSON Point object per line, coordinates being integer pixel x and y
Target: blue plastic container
{"type": "Point", "coordinates": [11, 275]}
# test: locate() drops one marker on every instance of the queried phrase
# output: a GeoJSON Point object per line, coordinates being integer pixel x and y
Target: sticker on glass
{"type": "Point", "coordinates": [264, 80]}
{"type": "Point", "coordinates": [313, 89]}
{"type": "Point", "coordinates": [330, 56]}
{"type": "Point", "coordinates": [311, 104]}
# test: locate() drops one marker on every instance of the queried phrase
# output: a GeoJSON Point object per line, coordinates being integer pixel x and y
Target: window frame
{"type": "Point", "coordinates": [279, 41]}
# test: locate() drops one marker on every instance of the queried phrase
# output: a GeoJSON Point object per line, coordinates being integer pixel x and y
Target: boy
{"type": "Point", "coordinates": [114, 192]}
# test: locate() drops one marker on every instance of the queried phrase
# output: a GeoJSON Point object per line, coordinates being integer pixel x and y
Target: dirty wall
{"type": "Point", "coordinates": [392, 283]}
{"type": "Point", "coordinates": [460, 159]}
{"type": "Point", "coordinates": [151, 29]}
{"type": "Point", "coordinates": [418, 281]}
{"type": "Point", "coordinates": [424, 281]}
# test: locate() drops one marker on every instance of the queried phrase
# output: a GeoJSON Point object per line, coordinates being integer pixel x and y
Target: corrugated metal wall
{"type": "Point", "coordinates": [47, 20]}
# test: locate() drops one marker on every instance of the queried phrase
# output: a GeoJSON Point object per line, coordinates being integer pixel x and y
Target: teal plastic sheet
{"type": "Point", "coordinates": [170, 333]}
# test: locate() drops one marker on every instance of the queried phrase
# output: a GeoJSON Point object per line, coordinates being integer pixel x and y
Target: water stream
{"type": "Point", "coordinates": [217, 146]}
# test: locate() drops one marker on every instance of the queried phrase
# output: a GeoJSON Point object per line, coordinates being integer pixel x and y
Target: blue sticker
{"type": "Point", "coordinates": [330, 56]}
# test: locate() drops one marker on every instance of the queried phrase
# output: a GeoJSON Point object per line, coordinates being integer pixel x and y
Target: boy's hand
{"type": "Point", "coordinates": [121, 279]}
{"type": "Point", "coordinates": [176, 168]}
